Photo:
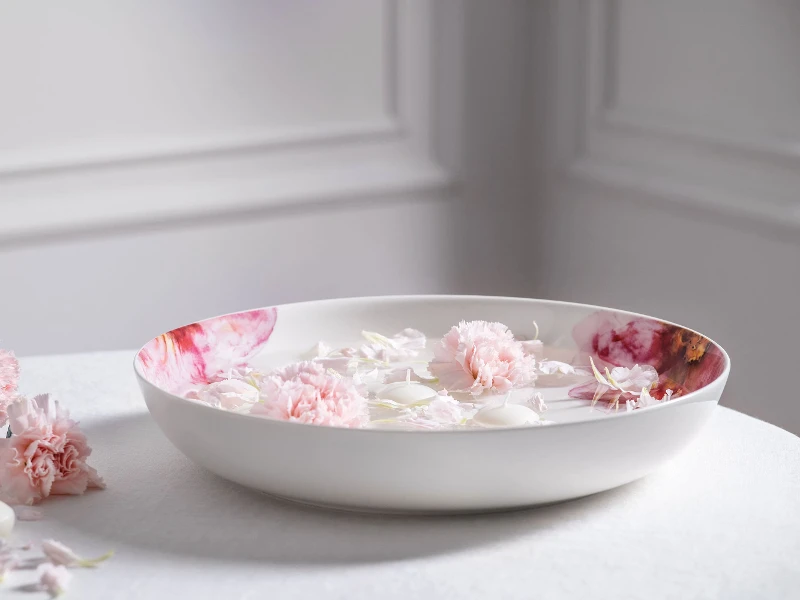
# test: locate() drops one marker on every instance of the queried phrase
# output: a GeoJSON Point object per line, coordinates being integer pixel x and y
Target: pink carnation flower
{"type": "Point", "coordinates": [306, 392]}
{"type": "Point", "coordinates": [9, 378]}
{"type": "Point", "coordinates": [477, 355]}
{"type": "Point", "coordinates": [46, 455]}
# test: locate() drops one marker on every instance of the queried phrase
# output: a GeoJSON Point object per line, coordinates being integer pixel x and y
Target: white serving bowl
{"type": "Point", "coordinates": [583, 452]}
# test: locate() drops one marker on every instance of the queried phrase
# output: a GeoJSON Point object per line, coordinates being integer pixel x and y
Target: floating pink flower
{"type": "Point", "coordinates": [46, 455]}
{"type": "Point", "coordinates": [9, 378]}
{"type": "Point", "coordinates": [306, 392]}
{"type": "Point", "coordinates": [477, 356]}
{"type": "Point", "coordinates": [54, 579]}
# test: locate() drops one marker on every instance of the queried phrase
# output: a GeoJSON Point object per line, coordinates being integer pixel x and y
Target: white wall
{"type": "Point", "coordinates": [672, 172]}
{"type": "Point", "coordinates": [166, 161]}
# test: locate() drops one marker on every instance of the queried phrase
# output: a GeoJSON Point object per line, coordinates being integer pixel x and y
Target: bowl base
{"type": "Point", "coordinates": [414, 512]}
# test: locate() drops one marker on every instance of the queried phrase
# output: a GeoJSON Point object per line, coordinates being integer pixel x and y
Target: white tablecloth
{"type": "Point", "coordinates": [720, 521]}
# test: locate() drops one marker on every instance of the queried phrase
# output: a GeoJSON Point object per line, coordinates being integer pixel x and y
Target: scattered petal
{"type": "Point", "coordinates": [616, 383]}
{"type": "Point", "coordinates": [532, 347]}
{"type": "Point", "coordinates": [54, 579]}
{"type": "Point", "coordinates": [8, 562]}
{"type": "Point", "coordinates": [26, 513]}
{"type": "Point", "coordinates": [442, 412]}
{"type": "Point", "coordinates": [320, 350]}
{"type": "Point", "coordinates": [634, 378]}
{"type": "Point", "coordinates": [447, 411]}
{"type": "Point", "coordinates": [399, 375]}
{"type": "Point", "coordinates": [645, 399]}
{"type": "Point", "coordinates": [555, 367]}
{"type": "Point", "coordinates": [367, 378]}
{"type": "Point", "coordinates": [59, 554]}
{"type": "Point", "coordinates": [229, 394]}
{"type": "Point", "coordinates": [402, 346]}
{"type": "Point", "coordinates": [539, 404]}
{"type": "Point", "coordinates": [600, 379]}
{"type": "Point", "coordinates": [340, 364]}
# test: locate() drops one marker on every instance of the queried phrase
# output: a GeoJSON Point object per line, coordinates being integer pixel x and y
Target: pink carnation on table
{"type": "Point", "coordinates": [306, 392]}
{"type": "Point", "coordinates": [46, 455]}
{"type": "Point", "coordinates": [476, 356]}
{"type": "Point", "coordinates": [9, 378]}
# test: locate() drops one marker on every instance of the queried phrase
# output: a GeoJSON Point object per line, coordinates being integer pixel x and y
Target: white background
{"type": "Point", "coordinates": [165, 161]}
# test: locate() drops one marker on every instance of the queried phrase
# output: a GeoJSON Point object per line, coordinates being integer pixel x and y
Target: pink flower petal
{"type": "Point", "coordinates": [26, 513]}
{"type": "Point", "coordinates": [46, 455]}
{"type": "Point", "coordinates": [54, 579]}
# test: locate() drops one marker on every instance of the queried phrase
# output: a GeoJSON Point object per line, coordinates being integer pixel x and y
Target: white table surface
{"type": "Point", "coordinates": [720, 521]}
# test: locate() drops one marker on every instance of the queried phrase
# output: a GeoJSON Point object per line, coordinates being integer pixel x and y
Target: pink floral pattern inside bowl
{"type": "Point", "coordinates": [204, 352]}
{"type": "Point", "coordinates": [684, 360]}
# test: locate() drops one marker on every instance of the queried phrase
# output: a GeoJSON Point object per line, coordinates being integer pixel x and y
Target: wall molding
{"type": "Point", "coordinates": [187, 178]}
{"type": "Point", "coordinates": [599, 138]}
{"type": "Point", "coordinates": [619, 183]}
{"type": "Point", "coordinates": [187, 150]}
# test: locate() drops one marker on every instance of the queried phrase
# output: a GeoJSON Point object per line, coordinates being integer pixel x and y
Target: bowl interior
{"type": "Point", "coordinates": [190, 356]}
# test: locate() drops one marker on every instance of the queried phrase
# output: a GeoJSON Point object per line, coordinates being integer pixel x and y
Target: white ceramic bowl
{"type": "Point", "coordinates": [583, 452]}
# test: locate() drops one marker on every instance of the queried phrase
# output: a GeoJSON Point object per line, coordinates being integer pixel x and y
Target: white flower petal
{"type": "Point", "coordinates": [229, 394]}
{"type": "Point", "coordinates": [539, 404]}
{"type": "Point", "coordinates": [532, 347]}
{"type": "Point", "coordinates": [600, 379]}
{"type": "Point", "coordinates": [59, 554]}
{"type": "Point", "coordinates": [27, 513]}
{"type": "Point", "coordinates": [550, 367]}
{"type": "Point", "coordinates": [320, 350]}
{"type": "Point", "coordinates": [402, 346]}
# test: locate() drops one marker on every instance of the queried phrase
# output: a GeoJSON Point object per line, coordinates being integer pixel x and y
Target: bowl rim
{"type": "Point", "coordinates": [689, 398]}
